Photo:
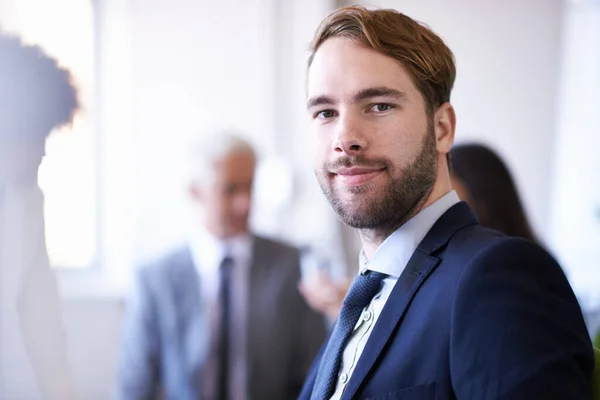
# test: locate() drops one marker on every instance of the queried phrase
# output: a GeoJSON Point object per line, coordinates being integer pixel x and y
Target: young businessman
{"type": "Point", "coordinates": [442, 308]}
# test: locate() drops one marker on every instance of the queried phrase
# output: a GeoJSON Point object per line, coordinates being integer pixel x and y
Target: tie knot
{"type": "Point", "coordinates": [364, 287]}
{"type": "Point", "coordinates": [227, 262]}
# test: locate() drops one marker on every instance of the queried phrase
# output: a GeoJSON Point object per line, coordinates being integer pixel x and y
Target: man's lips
{"type": "Point", "coordinates": [356, 176]}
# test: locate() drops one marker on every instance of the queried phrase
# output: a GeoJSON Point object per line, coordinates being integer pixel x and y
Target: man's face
{"type": "Point", "coordinates": [226, 196]}
{"type": "Point", "coordinates": [376, 149]}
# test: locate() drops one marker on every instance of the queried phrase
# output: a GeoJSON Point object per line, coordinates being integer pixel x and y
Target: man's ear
{"type": "Point", "coordinates": [444, 122]}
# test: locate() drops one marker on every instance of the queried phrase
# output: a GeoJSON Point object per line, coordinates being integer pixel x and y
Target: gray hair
{"type": "Point", "coordinates": [213, 147]}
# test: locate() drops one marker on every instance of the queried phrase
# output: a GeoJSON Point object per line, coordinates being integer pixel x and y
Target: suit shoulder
{"type": "Point", "coordinates": [478, 241]}
{"type": "Point", "coordinates": [505, 248]}
{"type": "Point", "coordinates": [277, 246]}
{"type": "Point", "coordinates": [486, 249]}
{"type": "Point", "coordinates": [161, 267]}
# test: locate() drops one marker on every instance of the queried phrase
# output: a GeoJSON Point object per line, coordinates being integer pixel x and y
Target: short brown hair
{"type": "Point", "coordinates": [424, 54]}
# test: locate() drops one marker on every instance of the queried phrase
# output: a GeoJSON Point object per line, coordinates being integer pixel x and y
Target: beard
{"type": "Point", "coordinates": [407, 189]}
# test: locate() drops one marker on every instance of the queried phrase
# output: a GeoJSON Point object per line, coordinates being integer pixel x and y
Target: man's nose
{"type": "Point", "coordinates": [243, 202]}
{"type": "Point", "coordinates": [349, 137]}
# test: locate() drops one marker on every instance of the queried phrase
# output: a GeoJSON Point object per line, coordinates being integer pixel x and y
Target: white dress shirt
{"type": "Point", "coordinates": [208, 253]}
{"type": "Point", "coordinates": [390, 258]}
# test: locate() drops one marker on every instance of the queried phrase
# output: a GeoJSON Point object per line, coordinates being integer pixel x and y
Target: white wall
{"type": "Point", "coordinates": [576, 194]}
{"type": "Point", "coordinates": [195, 65]}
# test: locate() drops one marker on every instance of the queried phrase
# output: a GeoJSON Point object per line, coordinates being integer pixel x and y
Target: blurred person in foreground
{"type": "Point", "coordinates": [483, 180]}
{"type": "Point", "coordinates": [442, 307]}
{"type": "Point", "coordinates": [36, 96]}
{"type": "Point", "coordinates": [222, 317]}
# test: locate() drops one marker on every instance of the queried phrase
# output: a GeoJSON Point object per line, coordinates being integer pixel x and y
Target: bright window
{"type": "Point", "coordinates": [65, 29]}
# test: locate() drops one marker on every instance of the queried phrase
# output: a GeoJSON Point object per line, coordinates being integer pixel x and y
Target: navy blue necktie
{"type": "Point", "coordinates": [224, 325]}
{"type": "Point", "coordinates": [364, 287]}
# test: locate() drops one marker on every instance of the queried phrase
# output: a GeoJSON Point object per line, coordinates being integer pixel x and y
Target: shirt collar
{"type": "Point", "coordinates": [208, 251]}
{"type": "Point", "coordinates": [394, 253]}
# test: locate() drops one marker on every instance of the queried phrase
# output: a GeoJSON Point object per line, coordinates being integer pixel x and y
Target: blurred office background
{"type": "Point", "coordinates": [153, 74]}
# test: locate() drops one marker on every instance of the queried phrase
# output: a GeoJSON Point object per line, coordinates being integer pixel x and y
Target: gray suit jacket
{"type": "Point", "coordinates": [165, 333]}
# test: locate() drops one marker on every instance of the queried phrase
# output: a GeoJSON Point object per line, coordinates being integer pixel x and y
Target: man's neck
{"type": "Point", "coordinates": [372, 239]}
{"type": "Point", "coordinates": [221, 237]}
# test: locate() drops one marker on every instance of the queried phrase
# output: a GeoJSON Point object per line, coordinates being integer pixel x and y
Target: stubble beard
{"type": "Point", "coordinates": [399, 201]}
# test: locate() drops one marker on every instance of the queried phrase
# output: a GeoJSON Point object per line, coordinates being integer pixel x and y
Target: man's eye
{"type": "Point", "coordinates": [325, 114]}
{"type": "Point", "coordinates": [381, 107]}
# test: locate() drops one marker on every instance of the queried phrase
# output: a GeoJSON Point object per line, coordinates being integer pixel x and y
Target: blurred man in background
{"type": "Point", "coordinates": [221, 318]}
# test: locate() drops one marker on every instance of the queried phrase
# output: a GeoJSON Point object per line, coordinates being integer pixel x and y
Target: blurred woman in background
{"type": "Point", "coordinates": [483, 180]}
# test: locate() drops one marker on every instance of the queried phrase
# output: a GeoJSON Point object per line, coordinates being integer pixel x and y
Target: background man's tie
{"type": "Point", "coordinates": [223, 338]}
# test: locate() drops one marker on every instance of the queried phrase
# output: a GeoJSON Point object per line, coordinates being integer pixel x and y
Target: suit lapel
{"type": "Point", "coordinates": [190, 316]}
{"type": "Point", "coordinates": [259, 254]}
{"type": "Point", "coordinates": [420, 266]}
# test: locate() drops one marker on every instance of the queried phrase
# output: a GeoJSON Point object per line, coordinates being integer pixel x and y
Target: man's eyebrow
{"type": "Point", "coordinates": [319, 100]}
{"type": "Point", "coordinates": [380, 91]}
{"type": "Point", "coordinates": [364, 94]}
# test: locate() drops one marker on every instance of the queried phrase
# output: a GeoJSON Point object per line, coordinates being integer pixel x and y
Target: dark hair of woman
{"type": "Point", "coordinates": [488, 187]}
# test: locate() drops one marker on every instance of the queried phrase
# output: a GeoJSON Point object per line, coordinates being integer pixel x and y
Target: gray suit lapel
{"type": "Point", "coordinates": [253, 300]}
{"type": "Point", "coordinates": [259, 268]}
{"type": "Point", "coordinates": [190, 319]}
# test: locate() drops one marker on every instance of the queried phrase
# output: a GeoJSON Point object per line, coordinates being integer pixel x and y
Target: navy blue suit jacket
{"type": "Point", "coordinates": [475, 315]}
